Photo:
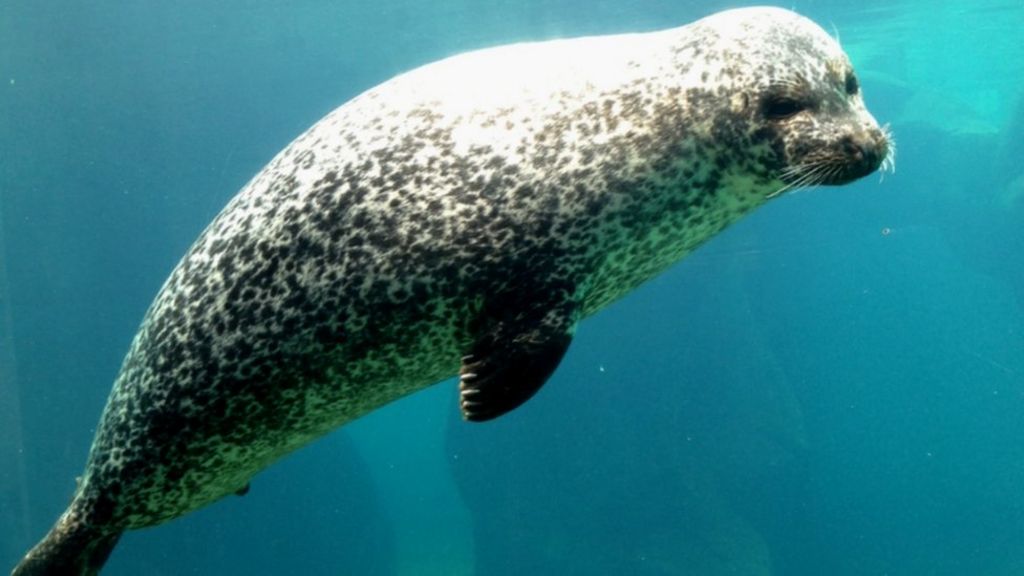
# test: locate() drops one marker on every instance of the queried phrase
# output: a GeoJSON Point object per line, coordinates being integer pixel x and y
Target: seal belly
{"type": "Point", "coordinates": [180, 439]}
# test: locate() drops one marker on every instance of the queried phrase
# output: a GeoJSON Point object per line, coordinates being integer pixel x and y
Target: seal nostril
{"type": "Point", "coordinates": [881, 139]}
{"type": "Point", "coordinates": [870, 158]}
{"type": "Point", "coordinates": [852, 148]}
{"type": "Point", "coordinates": [872, 153]}
{"type": "Point", "coordinates": [865, 150]}
{"type": "Point", "coordinates": [857, 152]}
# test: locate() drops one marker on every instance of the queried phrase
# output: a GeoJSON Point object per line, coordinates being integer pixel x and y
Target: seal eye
{"type": "Point", "coordinates": [852, 85]}
{"type": "Point", "coordinates": [781, 107]}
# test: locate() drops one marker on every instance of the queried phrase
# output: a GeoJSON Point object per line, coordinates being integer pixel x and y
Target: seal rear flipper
{"type": "Point", "coordinates": [69, 549]}
{"type": "Point", "coordinates": [510, 362]}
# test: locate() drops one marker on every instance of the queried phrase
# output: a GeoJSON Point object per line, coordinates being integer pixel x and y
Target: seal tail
{"type": "Point", "coordinates": [70, 549]}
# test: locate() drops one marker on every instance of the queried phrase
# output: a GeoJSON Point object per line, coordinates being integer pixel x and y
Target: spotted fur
{"type": "Point", "coordinates": [365, 260]}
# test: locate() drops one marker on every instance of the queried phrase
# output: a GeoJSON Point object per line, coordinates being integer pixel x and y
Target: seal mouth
{"type": "Point", "coordinates": [852, 158]}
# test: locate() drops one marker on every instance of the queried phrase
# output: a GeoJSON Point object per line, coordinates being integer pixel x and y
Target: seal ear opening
{"type": "Point", "coordinates": [69, 549]}
{"type": "Point", "coordinates": [739, 103]}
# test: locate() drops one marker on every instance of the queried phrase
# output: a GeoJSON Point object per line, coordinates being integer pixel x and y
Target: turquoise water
{"type": "Point", "coordinates": [834, 385]}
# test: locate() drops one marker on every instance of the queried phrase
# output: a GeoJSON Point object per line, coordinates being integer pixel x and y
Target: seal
{"type": "Point", "coordinates": [461, 218]}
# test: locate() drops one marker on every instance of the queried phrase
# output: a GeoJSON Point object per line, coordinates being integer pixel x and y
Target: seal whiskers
{"type": "Point", "coordinates": [889, 161]}
{"type": "Point", "coordinates": [804, 176]}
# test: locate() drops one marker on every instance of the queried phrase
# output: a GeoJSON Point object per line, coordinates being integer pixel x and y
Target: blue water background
{"type": "Point", "coordinates": [835, 385]}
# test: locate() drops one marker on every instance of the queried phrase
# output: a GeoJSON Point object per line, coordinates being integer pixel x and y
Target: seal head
{"type": "Point", "coordinates": [791, 85]}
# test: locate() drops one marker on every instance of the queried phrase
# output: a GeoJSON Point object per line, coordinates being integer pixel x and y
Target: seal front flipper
{"type": "Point", "coordinates": [511, 361]}
{"type": "Point", "coordinates": [500, 376]}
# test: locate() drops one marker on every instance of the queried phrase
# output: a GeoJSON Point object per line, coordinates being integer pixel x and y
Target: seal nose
{"type": "Point", "coordinates": [865, 151]}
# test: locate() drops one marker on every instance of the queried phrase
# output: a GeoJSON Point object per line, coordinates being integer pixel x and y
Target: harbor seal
{"type": "Point", "coordinates": [461, 218]}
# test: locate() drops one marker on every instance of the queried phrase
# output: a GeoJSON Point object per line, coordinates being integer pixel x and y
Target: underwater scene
{"type": "Point", "coordinates": [833, 384]}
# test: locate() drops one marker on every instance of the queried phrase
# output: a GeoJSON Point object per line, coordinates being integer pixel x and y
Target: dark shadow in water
{"type": "Point", "coordinates": [13, 482]}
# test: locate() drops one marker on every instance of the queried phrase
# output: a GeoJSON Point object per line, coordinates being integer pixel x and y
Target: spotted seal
{"type": "Point", "coordinates": [461, 218]}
